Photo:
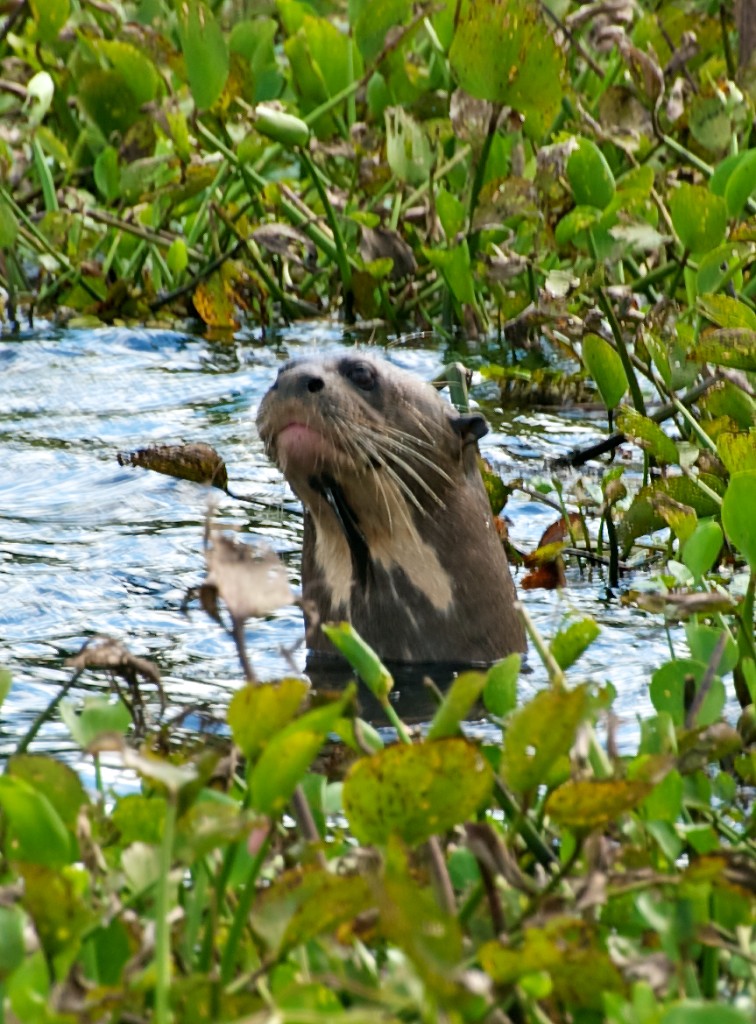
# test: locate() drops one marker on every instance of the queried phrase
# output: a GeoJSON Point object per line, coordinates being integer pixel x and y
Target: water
{"type": "Point", "coordinates": [89, 547]}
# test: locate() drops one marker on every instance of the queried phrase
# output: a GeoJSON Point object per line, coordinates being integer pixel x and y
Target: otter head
{"type": "Point", "coordinates": [387, 472]}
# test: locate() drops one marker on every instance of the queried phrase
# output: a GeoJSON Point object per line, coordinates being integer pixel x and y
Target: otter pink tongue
{"type": "Point", "coordinates": [300, 446]}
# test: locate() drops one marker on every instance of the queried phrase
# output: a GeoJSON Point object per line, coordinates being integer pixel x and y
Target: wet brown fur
{"type": "Point", "coordinates": [398, 535]}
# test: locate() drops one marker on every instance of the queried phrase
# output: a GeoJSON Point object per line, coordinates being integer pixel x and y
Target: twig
{"type": "Point", "coordinates": [580, 456]}
{"type": "Point", "coordinates": [711, 670]}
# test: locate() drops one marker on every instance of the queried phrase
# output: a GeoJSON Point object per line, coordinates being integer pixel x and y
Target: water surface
{"type": "Point", "coordinates": [89, 547]}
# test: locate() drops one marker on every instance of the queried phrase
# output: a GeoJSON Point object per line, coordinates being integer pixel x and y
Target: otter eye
{"type": "Point", "coordinates": [361, 375]}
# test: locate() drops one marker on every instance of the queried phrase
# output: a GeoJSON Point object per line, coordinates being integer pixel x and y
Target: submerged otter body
{"type": "Point", "coordinates": [398, 534]}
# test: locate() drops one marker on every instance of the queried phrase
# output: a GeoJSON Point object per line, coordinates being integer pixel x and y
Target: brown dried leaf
{"type": "Point", "coordinates": [196, 461]}
{"type": "Point", "coordinates": [110, 654]}
{"type": "Point", "coordinates": [382, 243]}
{"type": "Point", "coordinates": [250, 580]}
{"type": "Point", "coordinates": [285, 240]}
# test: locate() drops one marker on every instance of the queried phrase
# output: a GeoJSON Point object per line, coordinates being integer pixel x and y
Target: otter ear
{"type": "Point", "coordinates": [470, 427]}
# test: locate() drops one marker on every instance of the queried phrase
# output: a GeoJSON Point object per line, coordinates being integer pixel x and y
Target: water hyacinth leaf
{"type": "Point", "coordinates": [604, 364]}
{"type": "Point", "coordinates": [408, 150]}
{"type": "Point", "coordinates": [741, 183]}
{"type": "Point", "coordinates": [177, 256]}
{"type": "Point", "coordinates": [289, 753]}
{"type": "Point", "coordinates": [108, 101]}
{"type": "Point", "coordinates": [306, 902]}
{"type": "Point", "coordinates": [727, 312]}
{"type": "Point", "coordinates": [590, 176]}
{"type": "Point", "coordinates": [574, 223]}
{"type": "Point", "coordinates": [581, 972]}
{"type": "Point", "coordinates": [500, 690]}
{"type": "Point", "coordinates": [695, 1011]}
{"type": "Point", "coordinates": [540, 733]}
{"type": "Point", "coordinates": [568, 644]}
{"type": "Point", "coordinates": [738, 516]}
{"type": "Point", "coordinates": [681, 519]}
{"type": "Point", "coordinates": [698, 217]}
{"type": "Point", "coordinates": [451, 212]}
{"type": "Point", "coordinates": [138, 71]}
{"type": "Point", "coordinates": [99, 716]}
{"type": "Point", "coordinates": [205, 52]}
{"type": "Point", "coordinates": [34, 831]}
{"type": "Point", "coordinates": [40, 90]}
{"type": "Point", "coordinates": [737, 451]}
{"type": "Point", "coordinates": [458, 701]}
{"type": "Point", "coordinates": [362, 658]}
{"type": "Point", "coordinates": [734, 348]}
{"type": "Point", "coordinates": [648, 435]}
{"type": "Point", "coordinates": [642, 517]}
{"type": "Point", "coordinates": [702, 641]}
{"type": "Point", "coordinates": [257, 713]}
{"type": "Point", "coordinates": [504, 52]}
{"type": "Point", "coordinates": [49, 16]}
{"type": "Point", "coordinates": [674, 685]}
{"type": "Point", "coordinates": [454, 264]}
{"type": "Point", "coordinates": [215, 300]}
{"type": "Point", "coordinates": [57, 781]}
{"type": "Point", "coordinates": [415, 791]}
{"type": "Point", "coordinates": [374, 20]}
{"type": "Point", "coordinates": [593, 803]}
{"type": "Point", "coordinates": [12, 946]}
{"type": "Point", "coordinates": [702, 548]}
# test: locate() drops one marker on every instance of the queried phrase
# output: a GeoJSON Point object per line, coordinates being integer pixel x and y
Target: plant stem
{"type": "Point", "coordinates": [162, 911]}
{"type": "Point", "coordinates": [241, 915]}
{"type": "Point", "coordinates": [627, 365]}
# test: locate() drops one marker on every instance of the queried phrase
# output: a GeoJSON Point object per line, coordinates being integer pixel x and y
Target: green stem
{"type": "Point", "coordinates": [162, 911]}
{"type": "Point", "coordinates": [635, 391]}
{"type": "Point", "coordinates": [241, 916]}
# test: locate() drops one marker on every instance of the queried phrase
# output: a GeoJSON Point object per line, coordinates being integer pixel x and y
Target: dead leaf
{"type": "Point", "coordinates": [196, 461]}
{"type": "Point", "coordinates": [384, 243]}
{"type": "Point", "coordinates": [251, 580]}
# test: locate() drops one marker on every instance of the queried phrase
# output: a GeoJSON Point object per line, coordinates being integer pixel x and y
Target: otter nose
{"type": "Point", "coordinates": [295, 381]}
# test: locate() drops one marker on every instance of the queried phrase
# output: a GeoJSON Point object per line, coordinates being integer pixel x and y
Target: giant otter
{"type": "Point", "coordinates": [398, 534]}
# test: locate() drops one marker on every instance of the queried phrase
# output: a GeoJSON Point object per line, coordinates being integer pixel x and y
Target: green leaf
{"type": "Point", "coordinates": [257, 713]}
{"type": "Point", "coordinates": [205, 52]}
{"type": "Point", "coordinates": [98, 716]}
{"type": "Point", "coordinates": [138, 71]}
{"type": "Point", "coordinates": [288, 755]}
{"type": "Point", "coordinates": [590, 176]}
{"type": "Point", "coordinates": [34, 830]}
{"type": "Point", "coordinates": [738, 516]}
{"type": "Point", "coordinates": [604, 364]}
{"type": "Point", "coordinates": [694, 1011]}
{"type": "Point", "coordinates": [8, 226]}
{"type": "Point", "coordinates": [505, 53]}
{"type": "Point", "coordinates": [50, 16]}
{"type": "Point", "coordinates": [107, 174]}
{"type": "Point", "coordinates": [593, 803]}
{"type": "Point", "coordinates": [648, 435]}
{"type": "Point", "coordinates": [108, 101]}
{"type": "Point", "coordinates": [457, 704]}
{"type": "Point", "coordinates": [734, 348]}
{"type": "Point", "coordinates": [362, 658]}
{"type": "Point", "coordinates": [306, 902]}
{"type": "Point", "coordinates": [698, 217]}
{"type": "Point", "coordinates": [673, 686]}
{"type": "Point", "coordinates": [177, 256]}
{"type": "Point", "coordinates": [374, 20]}
{"type": "Point", "coordinates": [452, 213]}
{"type": "Point", "coordinates": [407, 148]}
{"type": "Point", "coordinates": [454, 264]}
{"type": "Point", "coordinates": [576, 221]}
{"type": "Point", "coordinates": [568, 644]}
{"type": "Point", "coordinates": [500, 691]}
{"type": "Point", "coordinates": [725, 311]}
{"type": "Point", "coordinates": [415, 791]}
{"type": "Point", "coordinates": [540, 733]}
{"type": "Point", "coordinates": [702, 640]}
{"type": "Point", "coordinates": [702, 548]}
{"type": "Point", "coordinates": [58, 782]}
{"type": "Point", "coordinates": [737, 451]}
{"type": "Point", "coordinates": [741, 183]}
{"type": "Point", "coordinates": [12, 948]}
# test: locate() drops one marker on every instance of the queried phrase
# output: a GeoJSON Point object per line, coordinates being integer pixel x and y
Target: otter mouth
{"type": "Point", "coordinates": [300, 446]}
